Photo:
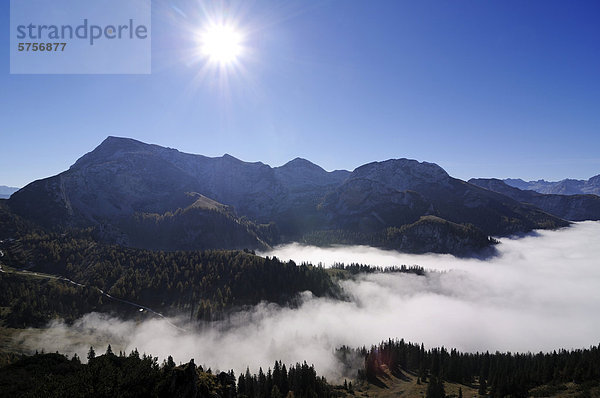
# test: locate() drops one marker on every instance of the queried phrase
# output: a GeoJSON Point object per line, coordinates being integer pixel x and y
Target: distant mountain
{"type": "Point", "coordinates": [154, 197]}
{"type": "Point", "coordinates": [564, 187]}
{"type": "Point", "coordinates": [5, 191]}
{"type": "Point", "coordinates": [569, 207]}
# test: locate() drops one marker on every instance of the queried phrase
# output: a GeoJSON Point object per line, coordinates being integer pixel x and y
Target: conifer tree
{"type": "Point", "coordinates": [91, 354]}
{"type": "Point", "coordinates": [482, 386]}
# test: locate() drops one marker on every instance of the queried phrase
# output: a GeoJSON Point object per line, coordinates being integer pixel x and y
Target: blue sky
{"type": "Point", "coordinates": [483, 88]}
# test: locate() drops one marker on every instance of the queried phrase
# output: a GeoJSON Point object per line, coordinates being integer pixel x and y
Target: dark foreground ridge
{"type": "Point", "coordinates": [418, 371]}
{"type": "Point", "coordinates": [110, 375]}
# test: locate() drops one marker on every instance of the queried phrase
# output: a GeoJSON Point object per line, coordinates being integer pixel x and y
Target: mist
{"type": "Point", "coordinates": [542, 292]}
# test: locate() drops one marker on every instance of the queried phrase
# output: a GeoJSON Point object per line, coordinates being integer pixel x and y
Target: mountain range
{"type": "Point", "coordinates": [149, 196]}
{"type": "Point", "coordinates": [563, 187]}
{"type": "Point", "coordinates": [5, 191]}
{"type": "Point", "coordinates": [570, 207]}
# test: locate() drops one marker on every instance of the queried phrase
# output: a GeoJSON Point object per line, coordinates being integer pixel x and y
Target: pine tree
{"type": "Point", "coordinates": [435, 389]}
{"type": "Point", "coordinates": [482, 386]}
{"type": "Point", "coordinates": [170, 362]}
{"type": "Point", "coordinates": [91, 354]}
{"type": "Point", "coordinates": [241, 385]}
{"type": "Point", "coordinates": [275, 393]}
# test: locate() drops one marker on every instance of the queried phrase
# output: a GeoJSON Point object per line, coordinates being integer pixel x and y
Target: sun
{"type": "Point", "coordinates": [222, 44]}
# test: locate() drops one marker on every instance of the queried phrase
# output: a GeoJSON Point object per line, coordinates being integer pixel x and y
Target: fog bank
{"type": "Point", "coordinates": [541, 293]}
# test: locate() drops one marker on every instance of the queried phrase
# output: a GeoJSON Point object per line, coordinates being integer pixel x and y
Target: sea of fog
{"type": "Point", "coordinates": [542, 292]}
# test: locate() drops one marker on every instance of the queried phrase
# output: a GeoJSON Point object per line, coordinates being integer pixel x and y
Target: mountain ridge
{"type": "Point", "coordinates": [567, 186]}
{"type": "Point", "coordinates": [570, 207]}
{"type": "Point", "coordinates": [123, 183]}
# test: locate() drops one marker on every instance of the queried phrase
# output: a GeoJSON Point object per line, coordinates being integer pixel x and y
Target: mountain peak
{"type": "Point", "coordinates": [120, 142]}
{"type": "Point", "coordinates": [298, 163]}
{"type": "Point", "coordinates": [595, 180]}
{"type": "Point", "coordinates": [111, 146]}
{"type": "Point", "coordinates": [402, 173]}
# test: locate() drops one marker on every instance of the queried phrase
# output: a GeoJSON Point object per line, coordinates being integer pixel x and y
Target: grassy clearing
{"type": "Point", "coordinates": [404, 384]}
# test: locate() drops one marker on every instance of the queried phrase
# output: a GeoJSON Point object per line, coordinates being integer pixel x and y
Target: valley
{"type": "Point", "coordinates": [301, 199]}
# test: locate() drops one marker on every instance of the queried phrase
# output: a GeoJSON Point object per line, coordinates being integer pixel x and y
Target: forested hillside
{"type": "Point", "coordinates": [201, 284]}
{"type": "Point", "coordinates": [428, 234]}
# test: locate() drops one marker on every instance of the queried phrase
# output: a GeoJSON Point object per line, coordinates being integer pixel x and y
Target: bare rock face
{"type": "Point", "coordinates": [403, 174]}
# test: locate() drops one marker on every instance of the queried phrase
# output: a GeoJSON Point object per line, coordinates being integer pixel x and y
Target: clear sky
{"type": "Point", "coordinates": [483, 88]}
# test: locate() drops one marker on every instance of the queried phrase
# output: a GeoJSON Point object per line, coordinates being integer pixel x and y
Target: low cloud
{"type": "Point", "coordinates": [541, 293]}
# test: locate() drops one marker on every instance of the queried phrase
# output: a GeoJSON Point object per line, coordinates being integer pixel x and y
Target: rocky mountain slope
{"type": "Point", "coordinates": [400, 191]}
{"type": "Point", "coordinates": [563, 187]}
{"type": "Point", "coordinates": [150, 196]}
{"type": "Point", "coordinates": [569, 207]}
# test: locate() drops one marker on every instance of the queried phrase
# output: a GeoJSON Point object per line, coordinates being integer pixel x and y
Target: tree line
{"type": "Point", "coordinates": [355, 269]}
{"type": "Point", "coordinates": [135, 375]}
{"type": "Point", "coordinates": [496, 374]}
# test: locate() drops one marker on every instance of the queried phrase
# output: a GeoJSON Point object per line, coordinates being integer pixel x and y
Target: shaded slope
{"type": "Point", "coordinates": [428, 234]}
{"type": "Point", "coordinates": [396, 192]}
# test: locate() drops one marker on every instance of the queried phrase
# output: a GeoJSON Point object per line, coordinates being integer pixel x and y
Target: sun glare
{"type": "Point", "coordinates": [221, 44]}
